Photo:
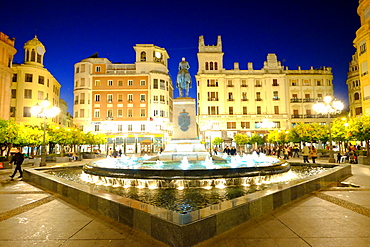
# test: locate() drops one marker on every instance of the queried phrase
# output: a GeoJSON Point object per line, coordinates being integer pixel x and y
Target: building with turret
{"type": "Point", "coordinates": [354, 87]}
{"type": "Point", "coordinates": [31, 84]}
{"type": "Point", "coordinates": [132, 103]}
{"type": "Point", "coordinates": [7, 52]}
{"type": "Point", "coordinates": [255, 100]}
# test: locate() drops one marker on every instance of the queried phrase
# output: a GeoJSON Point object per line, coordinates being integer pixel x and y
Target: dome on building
{"type": "Point", "coordinates": [33, 42]}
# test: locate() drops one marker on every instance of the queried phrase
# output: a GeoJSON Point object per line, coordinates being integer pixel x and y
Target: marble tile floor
{"type": "Point", "coordinates": [338, 216]}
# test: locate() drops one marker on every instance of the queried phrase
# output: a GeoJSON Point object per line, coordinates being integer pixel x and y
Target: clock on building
{"type": "Point", "coordinates": [40, 50]}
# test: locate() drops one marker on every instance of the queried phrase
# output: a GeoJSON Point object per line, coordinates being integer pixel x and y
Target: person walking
{"type": "Point", "coordinates": [305, 153]}
{"type": "Point", "coordinates": [17, 159]}
{"type": "Point", "coordinates": [313, 154]}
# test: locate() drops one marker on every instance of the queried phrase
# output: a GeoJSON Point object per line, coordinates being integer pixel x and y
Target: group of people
{"type": "Point", "coordinates": [229, 151]}
{"type": "Point", "coordinates": [309, 152]}
{"type": "Point", "coordinates": [114, 153]}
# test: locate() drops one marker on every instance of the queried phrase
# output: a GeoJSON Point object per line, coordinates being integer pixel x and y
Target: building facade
{"type": "Point", "coordinates": [7, 52]}
{"type": "Point", "coordinates": [132, 103]}
{"type": "Point", "coordinates": [361, 42]}
{"type": "Point", "coordinates": [31, 84]}
{"type": "Point", "coordinates": [354, 87]}
{"type": "Point", "coordinates": [255, 100]}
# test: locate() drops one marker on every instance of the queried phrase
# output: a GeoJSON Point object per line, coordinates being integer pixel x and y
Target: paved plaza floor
{"type": "Point", "coordinates": [336, 216]}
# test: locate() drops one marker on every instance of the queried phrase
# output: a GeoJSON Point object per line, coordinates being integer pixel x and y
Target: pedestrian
{"type": "Point", "coordinates": [313, 154]}
{"type": "Point", "coordinates": [296, 151]}
{"type": "Point", "coordinates": [17, 159]}
{"type": "Point", "coordinates": [339, 156]}
{"type": "Point", "coordinates": [305, 153]}
{"type": "Point", "coordinates": [286, 153]}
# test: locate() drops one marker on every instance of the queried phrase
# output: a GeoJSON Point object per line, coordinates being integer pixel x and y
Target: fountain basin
{"type": "Point", "coordinates": [162, 173]}
{"type": "Point", "coordinates": [184, 229]}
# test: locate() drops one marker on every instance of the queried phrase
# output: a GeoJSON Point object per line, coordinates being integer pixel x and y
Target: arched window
{"type": "Point", "coordinates": [143, 56]}
{"type": "Point", "coordinates": [211, 65]}
{"type": "Point", "coordinates": [33, 56]}
{"type": "Point", "coordinates": [356, 96]}
{"type": "Point", "coordinates": [206, 65]}
{"type": "Point", "coordinates": [216, 66]}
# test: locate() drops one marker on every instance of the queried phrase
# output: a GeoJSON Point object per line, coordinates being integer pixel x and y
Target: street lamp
{"type": "Point", "coordinates": [329, 107]}
{"type": "Point", "coordinates": [43, 111]}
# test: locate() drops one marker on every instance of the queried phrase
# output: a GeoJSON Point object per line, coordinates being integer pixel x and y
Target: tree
{"type": "Point", "coordinates": [339, 132]}
{"type": "Point", "coordinates": [310, 132]}
{"type": "Point", "coordinates": [8, 135]}
{"type": "Point", "coordinates": [255, 138]}
{"type": "Point", "coordinates": [241, 140]}
{"type": "Point", "coordinates": [217, 141]}
{"type": "Point", "coordinates": [359, 128]}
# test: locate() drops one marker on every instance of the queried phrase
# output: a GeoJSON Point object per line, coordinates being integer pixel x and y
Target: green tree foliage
{"type": "Point", "coordinates": [8, 135]}
{"type": "Point", "coordinates": [241, 140]}
{"type": "Point", "coordinates": [255, 138]}
{"type": "Point", "coordinates": [359, 129]}
{"type": "Point", "coordinates": [310, 132]}
{"type": "Point", "coordinates": [339, 131]}
{"type": "Point", "coordinates": [217, 141]}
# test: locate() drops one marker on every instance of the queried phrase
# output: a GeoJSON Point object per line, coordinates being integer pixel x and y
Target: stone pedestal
{"type": "Point", "coordinates": [184, 141]}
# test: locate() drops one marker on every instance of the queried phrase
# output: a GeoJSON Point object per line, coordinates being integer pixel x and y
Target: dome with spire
{"type": "Point", "coordinates": [34, 42]}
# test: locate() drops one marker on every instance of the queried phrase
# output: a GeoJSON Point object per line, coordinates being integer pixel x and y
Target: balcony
{"type": "Point", "coordinates": [258, 85]}
{"type": "Point", "coordinates": [244, 85]}
{"type": "Point", "coordinates": [295, 100]}
{"type": "Point", "coordinates": [244, 99]}
{"type": "Point", "coordinates": [275, 98]}
{"type": "Point", "coordinates": [212, 99]}
{"type": "Point", "coordinates": [308, 100]}
{"type": "Point", "coordinates": [230, 99]}
{"type": "Point", "coordinates": [258, 99]}
{"type": "Point", "coordinates": [230, 85]}
{"type": "Point", "coordinates": [297, 116]}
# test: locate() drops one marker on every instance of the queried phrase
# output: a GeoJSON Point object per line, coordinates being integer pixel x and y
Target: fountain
{"type": "Point", "coordinates": [183, 165]}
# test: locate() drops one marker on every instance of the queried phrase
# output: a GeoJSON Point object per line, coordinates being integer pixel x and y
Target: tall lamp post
{"type": "Point", "coordinates": [44, 111]}
{"type": "Point", "coordinates": [329, 106]}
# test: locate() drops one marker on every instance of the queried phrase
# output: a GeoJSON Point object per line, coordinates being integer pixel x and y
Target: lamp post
{"type": "Point", "coordinates": [43, 111]}
{"type": "Point", "coordinates": [329, 107]}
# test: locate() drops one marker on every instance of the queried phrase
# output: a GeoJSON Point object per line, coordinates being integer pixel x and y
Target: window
{"type": "Point", "coordinates": [142, 83]}
{"type": "Point", "coordinates": [212, 96]}
{"type": "Point", "coordinates": [358, 111]}
{"type": "Point", "coordinates": [258, 110]}
{"type": "Point", "coordinates": [258, 96]}
{"type": "Point", "coordinates": [82, 112]}
{"type": "Point", "coordinates": [276, 109]}
{"type": "Point", "coordinates": [162, 84]}
{"type": "Point", "coordinates": [216, 67]}
{"type": "Point", "coordinates": [26, 111]}
{"type": "Point", "coordinates": [276, 125]}
{"type": "Point", "coordinates": [364, 68]}
{"type": "Point", "coordinates": [142, 112]}
{"type": "Point", "coordinates": [245, 112]}
{"type": "Point", "coordinates": [356, 96]}
{"type": "Point", "coordinates": [275, 95]}
{"type": "Point", "coordinates": [162, 99]}
{"type": "Point", "coordinates": [119, 127]}
{"type": "Point", "coordinates": [275, 82]}
{"type": "Point", "coordinates": [76, 114]}
{"type": "Point", "coordinates": [82, 98]}
{"type": "Point", "coordinates": [130, 97]}
{"type": "Point", "coordinates": [258, 83]}
{"type": "Point", "coordinates": [120, 83]}
{"type": "Point", "coordinates": [28, 77]}
{"type": "Point", "coordinates": [294, 83]}
{"type": "Point", "coordinates": [244, 83]}
{"type": "Point", "coordinates": [156, 113]}
{"type": "Point", "coordinates": [142, 97]}
{"type": "Point", "coordinates": [245, 125]}
{"type": "Point", "coordinates": [129, 127]}
{"type": "Point", "coordinates": [129, 112]}
{"type": "Point", "coordinates": [130, 82]}
{"type": "Point", "coordinates": [295, 112]}
{"type": "Point", "coordinates": [143, 56]}
{"type": "Point", "coordinates": [231, 110]}
{"type": "Point", "coordinates": [318, 83]}
{"type": "Point", "coordinates": [14, 93]}
{"type": "Point", "coordinates": [97, 83]}
{"type": "Point", "coordinates": [119, 97]}
{"type": "Point", "coordinates": [40, 95]}
{"type": "Point", "coordinates": [230, 83]}
{"type": "Point", "coordinates": [110, 82]}
{"type": "Point", "coordinates": [231, 125]}
{"type": "Point", "coordinates": [319, 96]}
{"type": "Point", "coordinates": [97, 113]}
{"type": "Point", "coordinates": [82, 68]}
{"type": "Point", "coordinates": [362, 47]}
{"type": "Point", "coordinates": [120, 113]}
{"type": "Point", "coordinates": [28, 94]}
{"type": "Point", "coordinates": [230, 96]}
{"type": "Point", "coordinates": [211, 65]}
{"type": "Point", "coordinates": [82, 82]}
{"type": "Point", "coordinates": [12, 111]}
{"type": "Point", "coordinates": [15, 78]}
{"type": "Point", "coordinates": [212, 83]}
{"type": "Point", "coordinates": [206, 65]}
{"type": "Point", "coordinates": [110, 113]}
{"type": "Point", "coordinates": [155, 84]}
{"type": "Point", "coordinates": [110, 98]}
{"type": "Point", "coordinates": [97, 97]}
{"type": "Point", "coordinates": [97, 69]}
{"type": "Point", "coordinates": [155, 98]}
{"type": "Point", "coordinates": [97, 127]}
{"type": "Point", "coordinates": [142, 127]}
{"type": "Point", "coordinates": [41, 80]}
{"type": "Point", "coordinates": [306, 82]}
{"type": "Point", "coordinates": [213, 110]}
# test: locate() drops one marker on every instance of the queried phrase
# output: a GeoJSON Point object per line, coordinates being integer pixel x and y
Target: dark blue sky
{"type": "Point", "coordinates": [302, 33]}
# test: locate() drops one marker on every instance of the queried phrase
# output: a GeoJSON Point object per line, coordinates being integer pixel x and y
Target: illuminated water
{"type": "Point", "coordinates": [175, 195]}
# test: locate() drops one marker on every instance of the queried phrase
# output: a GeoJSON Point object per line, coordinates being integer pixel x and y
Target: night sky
{"type": "Point", "coordinates": [301, 33]}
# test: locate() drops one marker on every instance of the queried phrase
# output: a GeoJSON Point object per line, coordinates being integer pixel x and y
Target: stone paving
{"type": "Point", "coordinates": [336, 216]}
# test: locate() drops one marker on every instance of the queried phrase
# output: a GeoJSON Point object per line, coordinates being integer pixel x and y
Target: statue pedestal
{"type": "Point", "coordinates": [185, 133]}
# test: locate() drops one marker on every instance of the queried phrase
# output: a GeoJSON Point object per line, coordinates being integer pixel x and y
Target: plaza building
{"type": "Point", "coordinates": [363, 56]}
{"type": "Point", "coordinates": [7, 52]}
{"type": "Point", "coordinates": [354, 87]}
{"type": "Point", "coordinates": [255, 100]}
{"type": "Point", "coordinates": [31, 84]}
{"type": "Point", "coordinates": [131, 103]}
